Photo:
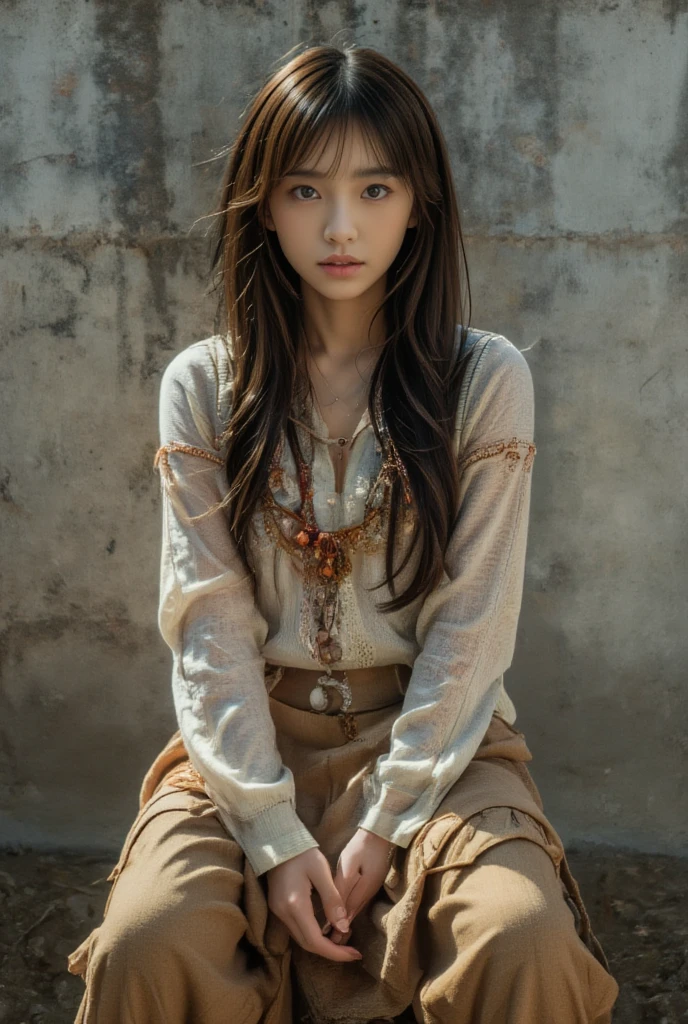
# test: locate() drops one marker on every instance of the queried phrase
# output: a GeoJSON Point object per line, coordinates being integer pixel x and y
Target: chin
{"type": "Point", "coordinates": [334, 289]}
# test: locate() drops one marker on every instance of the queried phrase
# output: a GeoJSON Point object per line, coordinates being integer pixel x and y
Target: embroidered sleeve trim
{"type": "Point", "coordinates": [161, 456]}
{"type": "Point", "coordinates": [512, 450]}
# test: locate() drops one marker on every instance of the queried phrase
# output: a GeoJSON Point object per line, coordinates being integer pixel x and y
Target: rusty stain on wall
{"type": "Point", "coordinates": [131, 144]}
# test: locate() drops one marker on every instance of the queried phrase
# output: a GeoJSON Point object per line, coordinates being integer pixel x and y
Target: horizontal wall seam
{"type": "Point", "coordinates": [89, 240]}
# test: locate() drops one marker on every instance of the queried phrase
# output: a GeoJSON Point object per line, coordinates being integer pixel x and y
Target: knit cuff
{"type": "Point", "coordinates": [270, 837]}
{"type": "Point", "coordinates": [393, 816]}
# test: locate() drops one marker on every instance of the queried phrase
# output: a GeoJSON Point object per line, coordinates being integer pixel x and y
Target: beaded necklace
{"type": "Point", "coordinates": [323, 557]}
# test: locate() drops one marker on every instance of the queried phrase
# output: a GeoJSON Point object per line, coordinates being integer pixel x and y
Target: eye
{"type": "Point", "coordinates": [307, 187]}
{"type": "Point", "coordinates": [378, 186]}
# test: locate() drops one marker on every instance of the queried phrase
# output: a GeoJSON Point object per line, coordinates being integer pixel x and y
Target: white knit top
{"type": "Point", "coordinates": [227, 627]}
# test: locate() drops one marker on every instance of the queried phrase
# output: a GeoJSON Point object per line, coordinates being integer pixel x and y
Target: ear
{"type": "Point", "coordinates": [413, 218]}
{"type": "Point", "coordinates": [268, 221]}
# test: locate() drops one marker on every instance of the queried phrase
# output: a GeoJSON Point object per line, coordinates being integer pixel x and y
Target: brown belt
{"type": "Point", "coordinates": [368, 689]}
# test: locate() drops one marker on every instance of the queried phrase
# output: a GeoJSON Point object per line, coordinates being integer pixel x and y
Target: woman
{"type": "Point", "coordinates": [346, 484]}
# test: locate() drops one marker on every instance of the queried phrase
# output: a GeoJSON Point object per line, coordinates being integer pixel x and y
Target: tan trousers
{"type": "Point", "coordinates": [478, 922]}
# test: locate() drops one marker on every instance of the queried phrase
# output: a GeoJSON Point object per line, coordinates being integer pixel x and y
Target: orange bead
{"type": "Point", "coordinates": [302, 538]}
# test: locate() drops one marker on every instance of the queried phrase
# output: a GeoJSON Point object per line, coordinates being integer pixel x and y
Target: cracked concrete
{"type": "Point", "coordinates": [566, 124]}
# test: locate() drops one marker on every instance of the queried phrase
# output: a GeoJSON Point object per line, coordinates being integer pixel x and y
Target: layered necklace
{"type": "Point", "coordinates": [323, 557]}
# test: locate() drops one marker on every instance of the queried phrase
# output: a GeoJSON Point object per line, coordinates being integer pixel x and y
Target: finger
{"type": "Point", "coordinates": [332, 902]}
{"type": "Point", "coordinates": [361, 905]}
{"type": "Point", "coordinates": [358, 897]}
{"type": "Point", "coordinates": [301, 920]}
{"type": "Point", "coordinates": [294, 930]}
{"type": "Point", "coordinates": [345, 881]}
{"type": "Point", "coordinates": [340, 938]}
{"type": "Point", "coordinates": [362, 896]}
{"type": "Point", "coordinates": [315, 942]}
{"type": "Point", "coordinates": [292, 912]}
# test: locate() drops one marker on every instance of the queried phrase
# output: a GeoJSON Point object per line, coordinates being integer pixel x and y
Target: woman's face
{"type": "Point", "coordinates": [363, 211]}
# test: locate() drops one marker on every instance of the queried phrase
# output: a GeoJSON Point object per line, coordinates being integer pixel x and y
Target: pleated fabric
{"type": "Point", "coordinates": [479, 920]}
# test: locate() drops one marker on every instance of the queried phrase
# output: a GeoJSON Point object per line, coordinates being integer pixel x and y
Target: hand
{"type": "Point", "coordinates": [361, 870]}
{"type": "Point", "coordinates": [289, 897]}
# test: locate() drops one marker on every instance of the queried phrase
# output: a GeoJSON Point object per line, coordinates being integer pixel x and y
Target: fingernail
{"type": "Point", "coordinates": [343, 924]}
{"type": "Point", "coordinates": [339, 912]}
{"type": "Point", "coordinates": [358, 956]}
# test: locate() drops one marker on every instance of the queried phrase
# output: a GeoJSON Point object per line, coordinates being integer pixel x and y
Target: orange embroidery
{"type": "Point", "coordinates": [189, 449]}
{"type": "Point", "coordinates": [510, 450]}
{"type": "Point", "coordinates": [276, 478]}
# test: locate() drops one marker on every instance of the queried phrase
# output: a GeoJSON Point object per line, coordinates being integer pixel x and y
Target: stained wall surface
{"type": "Point", "coordinates": [568, 128]}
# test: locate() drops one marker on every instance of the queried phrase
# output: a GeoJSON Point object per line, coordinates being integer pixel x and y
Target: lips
{"type": "Point", "coordinates": [344, 262]}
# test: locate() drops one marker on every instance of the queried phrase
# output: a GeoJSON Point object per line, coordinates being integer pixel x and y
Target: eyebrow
{"type": "Point", "coordinates": [361, 172]}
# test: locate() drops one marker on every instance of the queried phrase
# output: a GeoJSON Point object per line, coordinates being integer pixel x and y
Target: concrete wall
{"type": "Point", "coordinates": [568, 126]}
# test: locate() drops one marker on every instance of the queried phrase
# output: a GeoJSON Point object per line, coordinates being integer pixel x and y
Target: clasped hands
{"type": "Point", "coordinates": [361, 870]}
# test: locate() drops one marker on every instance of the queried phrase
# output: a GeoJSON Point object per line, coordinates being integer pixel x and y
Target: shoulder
{"type": "Point", "coordinates": [201, 370]}
{"type": "Point", "coordinates": [196, 386]}
{"type": "Point", "coordinates": [497, 387]}
{"type": "Point", "coordinates": [488, 353]}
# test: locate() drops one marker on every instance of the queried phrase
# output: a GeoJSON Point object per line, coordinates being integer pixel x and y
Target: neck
{"type": "Point", "coordinates": [340, 330]}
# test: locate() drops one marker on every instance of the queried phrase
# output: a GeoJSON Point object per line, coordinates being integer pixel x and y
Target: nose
{"type": "Point", "coordinates": [339, 226]}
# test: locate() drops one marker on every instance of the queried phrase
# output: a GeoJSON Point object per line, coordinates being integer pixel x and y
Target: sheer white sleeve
{"type": "Point", "coordinates": [467, 626]}
{"type": "Point", "coordinates": [209, 619]}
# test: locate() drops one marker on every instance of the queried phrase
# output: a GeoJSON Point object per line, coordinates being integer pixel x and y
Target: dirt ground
{"type": "Point", "coordinates": [638, 905]}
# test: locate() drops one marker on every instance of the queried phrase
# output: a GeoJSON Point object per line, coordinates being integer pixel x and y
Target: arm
{"type": "Point", "coordinates": [466, 629]}
{"type": "Point", "coordinates": [209, 619]}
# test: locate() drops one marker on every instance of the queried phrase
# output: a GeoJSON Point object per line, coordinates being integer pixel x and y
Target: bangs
{"type": "Point", "coordinates": [304, 138]}
{"type": "Point", "coordinates": [309, 151]}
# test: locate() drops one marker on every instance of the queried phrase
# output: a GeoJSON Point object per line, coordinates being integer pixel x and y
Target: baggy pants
{"type": "Point", "coordinates": [479, 921]}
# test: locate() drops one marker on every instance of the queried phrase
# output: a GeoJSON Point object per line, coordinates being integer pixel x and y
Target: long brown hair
{"type": "Point", "coordinates": [322, 90]}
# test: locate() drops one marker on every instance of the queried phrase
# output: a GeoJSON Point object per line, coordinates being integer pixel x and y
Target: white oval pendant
{"type": "Point", "coordinates": [318, 698]}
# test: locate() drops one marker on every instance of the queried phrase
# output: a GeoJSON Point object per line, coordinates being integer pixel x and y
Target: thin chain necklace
{"type": "Point", "coordinates": [338, 398]}
{"type": "Point", "coordinates": [341, 441]}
